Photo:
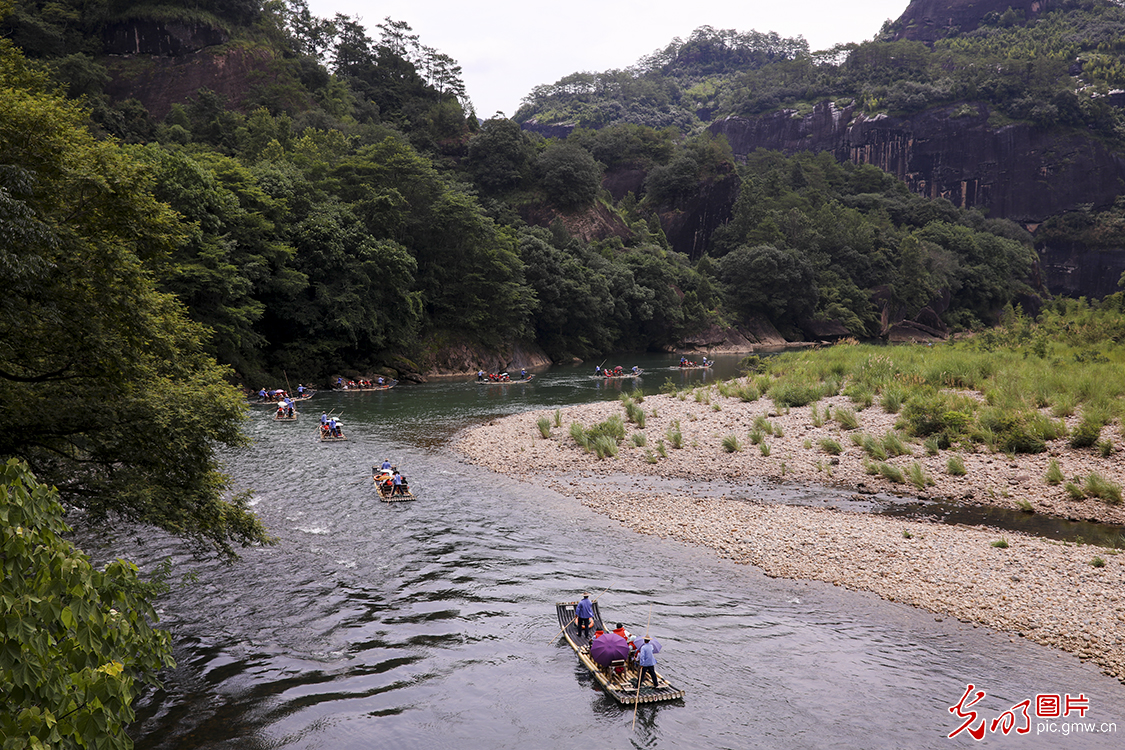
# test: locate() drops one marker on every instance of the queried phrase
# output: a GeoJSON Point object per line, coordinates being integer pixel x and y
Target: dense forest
{"type": "Point", "coordinates": [353, 214]}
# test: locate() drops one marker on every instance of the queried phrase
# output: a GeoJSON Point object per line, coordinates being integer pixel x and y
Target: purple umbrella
{"type": "Point", "coordinates": [608, 647]}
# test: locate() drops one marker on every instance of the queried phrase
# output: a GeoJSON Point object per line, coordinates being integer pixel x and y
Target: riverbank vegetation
{"type": "Point", "coordinates": [1008, 388]}
{"type": "Point", "coordinates": [106, 390]}
{"type": "Point", "coordinates": [1047, 386]}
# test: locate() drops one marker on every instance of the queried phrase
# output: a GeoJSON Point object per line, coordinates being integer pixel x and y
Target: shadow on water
{"type": "Point", "coordinates": [915, 509]}
{"type": "Point", "coordinates": [1006, 519]}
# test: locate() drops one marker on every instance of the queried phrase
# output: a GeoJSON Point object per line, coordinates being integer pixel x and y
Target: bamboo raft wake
{"type": "Point", "coordinates": [622, 686]}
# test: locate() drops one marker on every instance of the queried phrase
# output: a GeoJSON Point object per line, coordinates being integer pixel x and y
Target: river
{"type": "Point", "coordinates": [431, 624]}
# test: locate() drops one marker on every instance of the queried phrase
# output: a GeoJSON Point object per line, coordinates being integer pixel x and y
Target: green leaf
{"type": "Point", "coordinates": [67, 618]}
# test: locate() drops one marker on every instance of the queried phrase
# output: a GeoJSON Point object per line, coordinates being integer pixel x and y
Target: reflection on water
{"type": "Point", "coordinates": [431, 624]}
{"type": "Point", "coordinates": [947, 512]}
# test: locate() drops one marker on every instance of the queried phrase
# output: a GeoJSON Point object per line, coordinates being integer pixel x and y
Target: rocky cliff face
{"type": "Point", "coordinates": [1017, 171]}
{"type": "Point", "coordinates": [446, 355]}
{"type": "Point", "coordinates": [757, 334]}
{"type": "Point", "coordinates": [168, 39]}
{"type": "Point", "coordinates": [930, 20]}
{"type": "Point", "coordinates": [159, 82]}
{"type": "Point", "coordinates": [689, 226]}
{"type": "Point", "coordinates": [590, 225]}
{"type": "Point", "coordinates": [1077, 271]}
{"type": "Point", "coordinates": [165, 63]}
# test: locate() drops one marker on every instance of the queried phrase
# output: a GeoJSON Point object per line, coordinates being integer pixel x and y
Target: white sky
{"type": "Point", "coordinates": [506, 48]}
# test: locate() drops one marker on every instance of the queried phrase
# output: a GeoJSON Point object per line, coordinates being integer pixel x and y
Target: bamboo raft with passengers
{"type": "Point", "coordinates": [614, 374]}
{"type": "Point", "coordinates": [503, 379]}
{"type": "Point", "coordinates": [274, 401]}
{"type": "Point", "coordinates": [331, 429]}
{"type": "Point", "coordinates": [365, 386]}
{"type": "Point", "coordinates": [617, 677]}
{"type": "Point", "coordinates": [389, 492]}
{"type": "Point", "coordinates": [706, 364]}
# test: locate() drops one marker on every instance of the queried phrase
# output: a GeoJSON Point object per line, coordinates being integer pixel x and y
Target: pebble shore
{"type": "Point", "coordinates": [1053, 593]}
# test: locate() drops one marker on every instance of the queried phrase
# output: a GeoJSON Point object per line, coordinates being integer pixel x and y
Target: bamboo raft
{"type": "Point", "coordinates": [622, 687]}
{"type": "Point", "coordinates": [326, 437]}
{"type": "Point", "coordinates": [622, 376]}
{"type": "Point", "coordinates": [293, 418]}
{"type": "Point", "coordinates": [387, 495]}
{"type": "Point", "coordinates": [487, 381]}
{"type": "Point", "coordinates": [367, 389]}
{"type": "Point", "coordinates": [295, 399]}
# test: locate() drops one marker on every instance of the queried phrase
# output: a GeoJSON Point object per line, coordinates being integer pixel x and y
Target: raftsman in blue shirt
{"type": "Point", "coordinates": [585, 609]}
{"type": "Point", "coordinates": [646, 657]}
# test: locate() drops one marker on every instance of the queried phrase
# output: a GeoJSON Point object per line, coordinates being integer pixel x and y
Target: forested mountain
{"type": "Point", "coordinates": [343, 210]}
{"type": "Point", "coordinates": [676, 86]}
{"type": "Point", "coordinates": [1014, 108]}
{"type": "Point", "coordinates": [1053, 64]}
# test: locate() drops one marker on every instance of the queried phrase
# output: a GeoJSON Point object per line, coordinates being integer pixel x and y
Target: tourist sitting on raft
{"type": "Point", "coordinates": [331, 428]}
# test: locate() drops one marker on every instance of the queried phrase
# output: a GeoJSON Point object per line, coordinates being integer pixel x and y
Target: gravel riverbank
{"type": "Point", "coordinates": [1068, 596]}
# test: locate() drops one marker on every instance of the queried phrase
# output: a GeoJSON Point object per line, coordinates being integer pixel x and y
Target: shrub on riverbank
{"type": "Point", "coordinates": [633, 412]}
{"type": "Point", "coordinates": [602, 439]}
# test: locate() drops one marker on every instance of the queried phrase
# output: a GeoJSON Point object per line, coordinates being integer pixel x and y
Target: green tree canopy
{"type": "Point", "coordinates": [766, 280]}
{"type": "Point", "coordinates": [570, 176]}
{"type": "Point", "coordinates": [105, 390]}
{"type": "Point", "coordinates": [500, 156]}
